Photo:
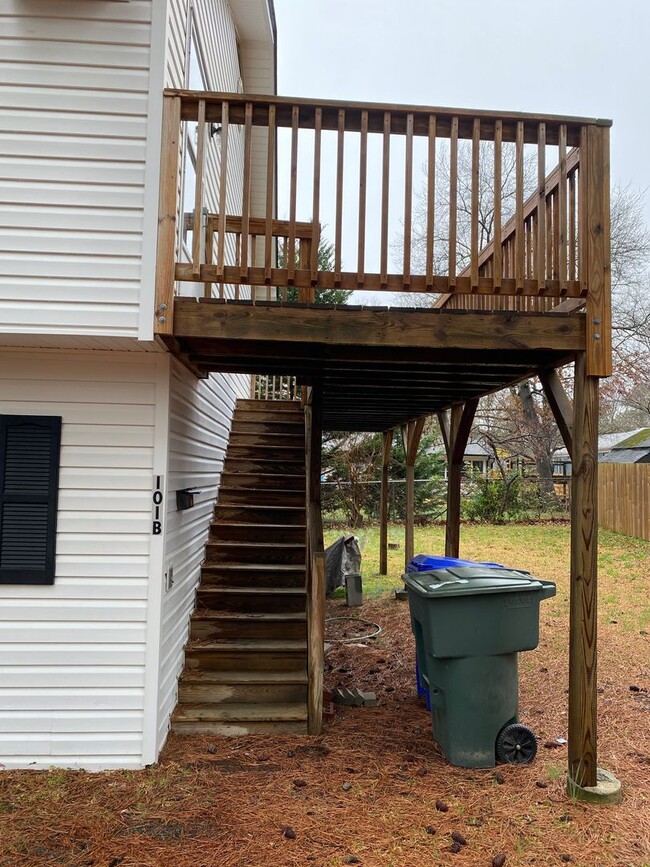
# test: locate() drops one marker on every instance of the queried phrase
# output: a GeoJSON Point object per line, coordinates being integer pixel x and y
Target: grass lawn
{"type": "Point", "coordinates": [374, 789]}
{"type": "Point", "coordinates": [542, 549]}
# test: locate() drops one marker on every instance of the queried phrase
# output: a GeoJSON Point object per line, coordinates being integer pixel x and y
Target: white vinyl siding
{"type": "Point", "coordinates": [199, 425]}
{"type": "Point", "coordinates": [72, 656]}
{"type": "Point", "coordinates": [216, 39]}
{"type": "Point", "coordinates": [73, 130]}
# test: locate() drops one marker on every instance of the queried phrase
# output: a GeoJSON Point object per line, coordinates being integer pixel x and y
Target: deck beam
{"type": "Point", "coordinates": [386, 327]}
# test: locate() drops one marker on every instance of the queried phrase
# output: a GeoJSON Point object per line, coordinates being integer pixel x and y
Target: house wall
{"type": "Point", "coordinates": [200, 414]}
{"type": "Point", "coordinates": [73, 120]}
{"type": "Point", "coordinates": [73, 655]}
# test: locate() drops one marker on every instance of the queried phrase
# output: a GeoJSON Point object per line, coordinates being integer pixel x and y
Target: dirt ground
{"type": "Point", "coordinates": [373, 790]}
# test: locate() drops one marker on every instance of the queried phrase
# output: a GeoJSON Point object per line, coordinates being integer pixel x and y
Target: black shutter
{"type": "Point", "coordinates": [29, 485]}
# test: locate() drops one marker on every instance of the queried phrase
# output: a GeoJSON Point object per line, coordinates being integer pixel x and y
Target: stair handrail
{"type": "Point", "coordinates": [315, 563]}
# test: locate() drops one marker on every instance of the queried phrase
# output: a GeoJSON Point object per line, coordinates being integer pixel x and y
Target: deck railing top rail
{"type": "Point", "coordinates": [354, 111]}
{"type": "Point", "coordinates": [410, 199]}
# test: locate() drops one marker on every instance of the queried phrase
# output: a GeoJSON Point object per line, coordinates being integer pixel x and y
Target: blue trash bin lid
{"type": "Point", "coordinates": [428, 563]}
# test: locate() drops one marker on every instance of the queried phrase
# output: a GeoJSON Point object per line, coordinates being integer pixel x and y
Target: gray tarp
{"type": "Point", "coordinates": [342, 558]}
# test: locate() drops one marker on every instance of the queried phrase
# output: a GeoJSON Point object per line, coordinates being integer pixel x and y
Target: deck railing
{"type": "Point", "coordinates": [411, 199]}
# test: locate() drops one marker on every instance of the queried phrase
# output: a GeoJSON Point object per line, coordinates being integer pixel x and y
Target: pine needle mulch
{"type": "Point", "coordinates": [373, 789]}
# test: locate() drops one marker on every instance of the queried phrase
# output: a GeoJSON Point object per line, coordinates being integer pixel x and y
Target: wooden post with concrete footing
{"type": "Point", "coordinates": [455, 434]}
{"type": "Point", "coordinates": [578, 425]}
{"type": "Point", "coordinates": [387, 442]}
{"type": "Point", "coordinates": [411, 434]}
{"type": "Point", "coordinates": [582, 617]}
{"type": "Point", "coordinates": [586, 781]}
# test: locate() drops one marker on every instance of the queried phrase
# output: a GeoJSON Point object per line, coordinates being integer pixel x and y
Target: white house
{"type": "Point", "coordinates": [96, 586]}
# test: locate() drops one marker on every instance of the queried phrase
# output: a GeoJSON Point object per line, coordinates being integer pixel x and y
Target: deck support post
{"type": "Point", "coordinates": [455, 430]}
{"type": "Point", "coordinates": [583, 596]}
{"type": "Point", "coordinates": [411, 435]}
{"type": "Point", "coordinates": [586, 780]}
{"type": "Point", "coordinates": [387, 442]}
{"type": "Point", "coordinates": [315, 563]}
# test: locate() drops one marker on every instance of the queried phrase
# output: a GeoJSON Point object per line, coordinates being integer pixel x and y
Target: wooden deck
{"type": "Point", "coordinates": [512, 250]}
{"type": "Point", "coordinates": [514, 209]}
{"type": "Point", "coordinates": [377, 368]}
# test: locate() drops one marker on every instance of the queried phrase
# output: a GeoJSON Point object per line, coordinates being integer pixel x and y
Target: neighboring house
{"type": "Point", "coordinates": [634, 449]}
{"type": "Point", "coordinates": [476, 459]}
{"type": "Point", "coordinates": [96, 589]}
{"type": "Point", "coordinates": [606, 444]}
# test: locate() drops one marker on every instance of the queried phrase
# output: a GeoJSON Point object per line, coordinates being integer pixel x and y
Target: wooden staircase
{"type": "Point", "coordinates": [246, 659]}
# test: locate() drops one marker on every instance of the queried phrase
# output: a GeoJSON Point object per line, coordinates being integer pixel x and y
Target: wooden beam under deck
{"type": "Point", "coordinates": [379, 368]}
{"type": "Point", "coordinates": [385, 327]}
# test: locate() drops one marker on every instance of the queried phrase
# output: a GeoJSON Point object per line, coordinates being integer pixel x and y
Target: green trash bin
{"type": "Point", "coordinates": [469, 624]}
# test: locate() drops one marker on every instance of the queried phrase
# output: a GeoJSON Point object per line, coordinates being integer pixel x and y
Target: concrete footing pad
{"type": "Point", "coordinates": [606, 791]}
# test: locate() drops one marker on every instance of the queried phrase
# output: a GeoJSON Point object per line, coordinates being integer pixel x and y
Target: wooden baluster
{"type": "Point", "coordinates": [197, 228]}
{"type": "Point", "coordinates": [209, 254]}
{"type": "Point", "coordinates": [573, 240]}
{"type": "Point", "coordinates": [315, 232]}
{"type": "Point", "coordinates": [385, 177]}
{"type": "Point", "coordinates": [363, 172]}
{"type": "Point", "coordinates": [408, 201]}
{"type": "Point", "coordinates": [253, 264]}
{"type": "Point", "coordinates": [306, 294]}
{"type": "Point", "coordinates": [583, 214]}
{"type": "Point", "coordinates": [431, 200]}
{"type": "Point", "coordinates": [291, 264]}
{"type": "Point", "coordinates": [519, 207]}
{"type": "Point", "coordinates": [246, 194]}
{"type": "Point", "coordinates": [285, 253]}
{"type": "Point", "coordinates": [338, 231]}
{"type": "Point", "coordinates": [223, 195]}
{"type": "Point", "coordinates": [540, 252]}
{"type": "Point", "coordinates": [529, 234]}
{"type": "Point", "coordinates": [562, 211]}
{"type": "Point", "coordinates": [270, 196]}
{"type": "Point", "coordinates": [497, 258]}
{"type": "Point", "coordinates": [551, 222]}
{"type": "Point", "coordinates": [476, 146]}
{"type": "Point", "coordinates": [453, 201]}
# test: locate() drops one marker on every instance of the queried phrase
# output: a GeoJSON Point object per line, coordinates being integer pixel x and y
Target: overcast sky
{"type": "Point", "coordinates": [575, 57]}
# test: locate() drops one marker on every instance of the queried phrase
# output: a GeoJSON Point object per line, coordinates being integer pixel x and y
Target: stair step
{"type": "Point", "coordinates": [262, 514]}
{"type": "Point", "coordinates": [265, 464]}
{"type": "Point", "coordinates": [270, 441]}
{"type": "Point", "coordinates": [275, 481]}
{"type": "Point", "coordinates": [251, 678]}
{"type": "Point", "coordinates": [244, 403]}
{"type": "Point", "coordinates": [249, 655]}
{"type": "Point", "coordinates": [295, 417]}
{"type": "Point", "coordinates": [291, 625]}
{"type": "Point", "coordinates": [260, 451]}
{"type": "Point", "coordinates": [229, 496]}
{"type": "Point", "coordinates": [272, 600]}
{"type": "Point", "coordinates": [193, 692]}
{"type": "Point", "coordinates": [244, 712]}
{"type": "Point", "coordinates": [282, 428]}
{"type": "Point", "coordinates": [238, 729]}
{"type": "Point", "coordinates": [230, 532]}
{"type": "Point", "coordinates": [247, 575]}
{"type": "Point", "coordinates": [274, 497]}
{"type": "Point", "coordinates": [255, 552]}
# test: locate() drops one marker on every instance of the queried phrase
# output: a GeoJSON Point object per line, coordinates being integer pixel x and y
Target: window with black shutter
{"type": "Point", "coordinates": [29, 484]}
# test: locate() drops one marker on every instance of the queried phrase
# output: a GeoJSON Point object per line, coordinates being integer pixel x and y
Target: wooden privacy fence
{"type": "Point", "coordinates": [624, 498]}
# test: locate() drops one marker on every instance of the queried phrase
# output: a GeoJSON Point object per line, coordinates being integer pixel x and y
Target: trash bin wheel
{"type": "Point", "coordinates": [516, 745]}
